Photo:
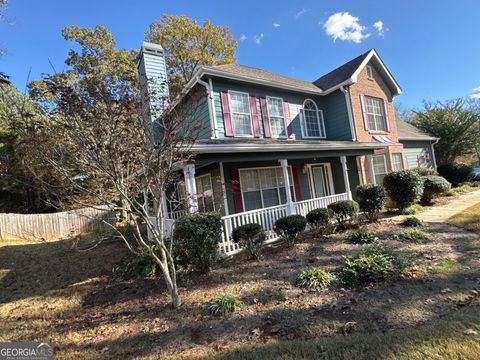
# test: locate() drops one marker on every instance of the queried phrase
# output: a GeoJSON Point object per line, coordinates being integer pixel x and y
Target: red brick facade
{"type": "Point", "coordinates": [374, 87]}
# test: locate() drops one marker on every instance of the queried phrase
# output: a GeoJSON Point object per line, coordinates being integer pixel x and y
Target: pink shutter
{"type": "Point", "coordinates": [254, 114]}
{"type": "Point", "coordinates": [227, 116]}
{"type": "Point", "coordinates": [236, 190]}
{"type": "Point", "coordinates": [266, 120]}
{"type": "Point", "coordinates": [296, 183]}
{"type": "Point", "coordinates": [364, 111]}
{"type": "Point", "coordinates": [288, 120]}
{"type": "Point", "coordinates": [387, 118]}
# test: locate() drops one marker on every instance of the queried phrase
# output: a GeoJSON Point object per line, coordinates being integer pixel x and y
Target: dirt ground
{"type": "Point", "coordinates": [75, 301]}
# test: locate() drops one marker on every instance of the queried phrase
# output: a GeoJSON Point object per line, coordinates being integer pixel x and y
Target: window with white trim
{"type": "Point", "coordinates": [313, 124]}
{"type": "Point", "coordinates": [276, 116]}
{"type": "Point", "coordinates": [397, 161]}
{"type": "Point", "coordinates": [375, 114]}
{"type": "Point", "coordinates": [263, 187]}
{"type": "Point", "coordinates": [379, 167]}
{"type": "Point", "coordinates": [205, 198]}
{"type": "Point", "coordinates": [240, 112]}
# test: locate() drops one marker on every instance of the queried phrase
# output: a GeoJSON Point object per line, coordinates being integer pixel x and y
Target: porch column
{"type": "Point", "coordinates": [224, 190]}
{"type": "Point", "coordinates": [190, 187]}
{"type": "Point", "coordinates": [343, 160]}
{"type": "Point", "coordinates": [286, 179]}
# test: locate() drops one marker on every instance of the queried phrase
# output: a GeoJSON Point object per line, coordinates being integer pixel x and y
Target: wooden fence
{"type": "Point", "coordinates": [53, 226]}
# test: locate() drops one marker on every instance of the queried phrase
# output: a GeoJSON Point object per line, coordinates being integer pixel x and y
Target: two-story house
{"type": "Point", "coordinates": [273, 145]}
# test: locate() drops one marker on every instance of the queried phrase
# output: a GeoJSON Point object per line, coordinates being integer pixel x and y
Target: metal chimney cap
{"type": "Point", "coordinates": [148, 47]}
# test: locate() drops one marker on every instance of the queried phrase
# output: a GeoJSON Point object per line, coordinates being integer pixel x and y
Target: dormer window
{"type": "Point", "coordinates": [370, 71]}
{"type": "Point", "coordinates": [313, 124]}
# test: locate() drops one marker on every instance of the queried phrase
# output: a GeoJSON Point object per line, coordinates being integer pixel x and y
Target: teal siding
{"type": "Point", "coordinates": [415, 149]}
{"type": "Point", "coordinates": [333, 105]}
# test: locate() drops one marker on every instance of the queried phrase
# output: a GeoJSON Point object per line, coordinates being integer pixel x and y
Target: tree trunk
{"type": "Point", "coordinates": [125, 207]}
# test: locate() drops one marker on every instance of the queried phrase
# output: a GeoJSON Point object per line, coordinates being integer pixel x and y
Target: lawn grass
{"type": "Point", "coordinates": [468, 219]}
{"type": "Point", "coordinates": [438, 340]}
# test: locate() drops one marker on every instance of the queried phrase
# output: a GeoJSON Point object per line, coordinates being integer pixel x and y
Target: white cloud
{"type": "Point", "coordinates": [476, 93]}
{"type": "Point", "coordinates": [258, 39]}
{"type": "Point", "coordinates": [276, 25]}
{"type": "Point", "coordinates": [300, 13]}
{"type": "Point", "coordinates": [380, 26]}
{"type": "Point", "coordinates": [346, 27]}
{"type": "Point", "coordinates": [243, 37]}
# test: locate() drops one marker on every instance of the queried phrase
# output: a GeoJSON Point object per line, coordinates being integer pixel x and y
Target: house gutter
{"type": "Point", "coordinates": [349, 110]}
{"type": "Point", "coordinates": [211, 106]}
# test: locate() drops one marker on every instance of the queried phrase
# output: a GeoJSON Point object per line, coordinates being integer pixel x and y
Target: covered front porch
{"type": "Point", "coordinates": [264, 186]}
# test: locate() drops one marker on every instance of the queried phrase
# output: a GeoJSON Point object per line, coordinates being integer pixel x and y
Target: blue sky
{"type": "Point", "coordinates": [431, 47]}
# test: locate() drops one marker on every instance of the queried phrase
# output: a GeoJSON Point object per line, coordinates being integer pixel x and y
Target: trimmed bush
{"type": "Point", "coordinates": [314, 278]}
{"type": "Point", "coordinates": [434, 186]}
{"type": "Point", "coordinates": [413, 210]}
{"type": "Point", "coordinates": [404, 187]}
{"type": "Point", "coordinates": [320, 220]}
{"type": "Point", "coordinates": [198, 236]}
{"type": "Point", "coordinates": [424, 171]}
{"type": "Point", "coordinates": [371, 199]}
{"type": "Point", "coordinates": [456, 173]}
{"type": "Point", "coordinates": [224, 304]}
{"type": "Point", "coordinates": [362, 237]}
{"type": "Point", "coordinates": [141, 263]}
{"type": "Point", "coordinates": [377, 262]}
{"type": "Point", "coordinates": [289, 227]}
{"type": "Point", "coordinates": [344, 210]}
{"type": "Point", "coordinates": [412, 221]}
{"type": "Point", "coordinates": [415, 236]}
{"type": "Point", "coordinates": [250, 236]}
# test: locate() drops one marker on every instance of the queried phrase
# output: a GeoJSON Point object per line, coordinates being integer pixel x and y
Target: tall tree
{"type": "Point", "coordinates": [105, 148]}
{"type": "Point", "coordinates": [189, 45]}
{"type": "Point", "coordinates": [455, 122]}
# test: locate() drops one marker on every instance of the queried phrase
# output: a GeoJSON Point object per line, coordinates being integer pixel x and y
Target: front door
{"type": "Point", "coordinates": [321, 180]}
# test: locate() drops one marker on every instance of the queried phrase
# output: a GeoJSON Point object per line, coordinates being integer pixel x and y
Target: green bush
{"type": "Point", "coordinates": [412, 221]}
{"type": "Point", "coordinates": [199, 235]}
{"type": "Point", "coordinates": [424, 171]}
{"type": "Point", "coordinates": [456, 173]}
{"type": "Point", "coordinates": [314, 278]}
{"type": "Point", "coordinates": [251, 237]}
{"type": "Point", "coordinates": [141, 263]}
{"type": "Point", "coordinates": [416, 236]}
{"type": "Point", "coordinates": [404, 187]}
{"type": "Point", "coordinates": [458, 190]}
{"type": "Point", "coordinates": [289, 227]}
{"type": "Point", "coordinates": [434, 186]}
{"type": "Point", "coordinates": [376, 262]}
{"type": "Point", "coordinates": [413, 210]}
{"type": "Point", "coordinates": [362, 237]}
{"type": "Point", "coordinates": [320, 220]}
{"type": "Point", "coordinates": [224, 304]}
{"type": "Point", "coordinates": [371, 199]}
{"type": "Point", "coordinates": [344, 210]}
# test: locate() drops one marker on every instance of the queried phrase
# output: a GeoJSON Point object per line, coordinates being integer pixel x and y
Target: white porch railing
{"type": "Point", "coordinates": [266, 217]}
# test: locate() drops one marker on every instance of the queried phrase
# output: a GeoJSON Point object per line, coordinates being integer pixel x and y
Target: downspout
{"type": "Point", "coordinates": [349, 110]}
{"type": "Point", "coordinates": [433, 153]}
{"type": "Point", "coordinates": [211, 106]}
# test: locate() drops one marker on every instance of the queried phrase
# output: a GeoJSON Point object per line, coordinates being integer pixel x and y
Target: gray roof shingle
{"type": "Point", "coordinates": [407, 131]}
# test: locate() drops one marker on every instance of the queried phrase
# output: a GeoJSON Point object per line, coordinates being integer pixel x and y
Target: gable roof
{"type": "Point", "coordinates": [340, 74]}
{"type": "Point", "coordinates": [407, 132]}
{"type": "Point", "coordinates": [257, 75]}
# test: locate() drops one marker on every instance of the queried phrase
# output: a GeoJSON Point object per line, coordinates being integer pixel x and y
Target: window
{"type": "Point", "coordinates": [240, 109]}
{"type": "Point", "coordinates": [379, 167]}
{"type": "Point", "coordinates": [370, 71]}
{"type": "Point", "coordinates": [397, 161]}
{"type": "Point", "coordinates": [313, 125]}
{"type": "Point", "coordinates": [263, 187]}
{"type": "Point", "coordinates": [205, 193]}
{"type": "Point", "coordinates": [375, 113]}
{"type": "Point", "coordinates": [277, 117]}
